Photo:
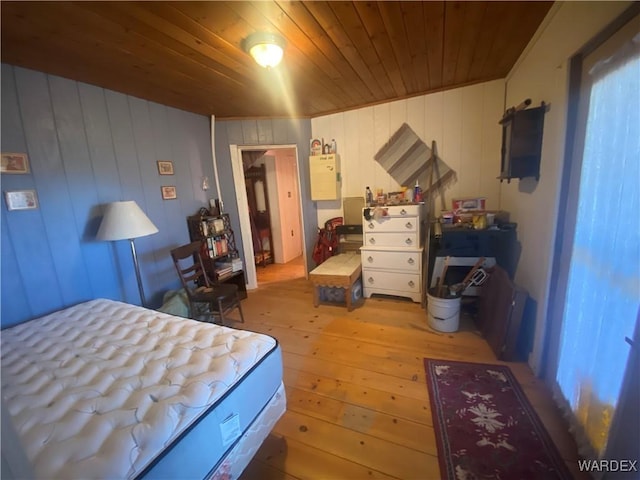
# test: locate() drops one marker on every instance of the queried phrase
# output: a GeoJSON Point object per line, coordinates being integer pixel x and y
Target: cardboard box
{"type": "Point", "coordinates": [468, 204]}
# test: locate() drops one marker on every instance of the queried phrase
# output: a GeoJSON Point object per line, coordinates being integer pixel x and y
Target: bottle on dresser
{"type": "Point", "coordinates": [368, 197]}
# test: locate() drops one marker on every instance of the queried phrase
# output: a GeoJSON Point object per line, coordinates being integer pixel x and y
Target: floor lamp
{"type": "Point", "coordinates": [126, 221]}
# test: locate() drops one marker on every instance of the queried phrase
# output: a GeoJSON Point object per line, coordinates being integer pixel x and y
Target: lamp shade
{"type": "Point", "coordinates": [265, 48]}
{"type": "Point", "coordinates": [124, 220]}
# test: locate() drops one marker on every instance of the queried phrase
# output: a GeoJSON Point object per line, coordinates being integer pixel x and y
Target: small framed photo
{"type": "Point", "coordinates": [165, 167]}
{"type": "Point", "coordinates": [15, 163]}
{"type": "Point", "coordinates": [169, 193]}
{"type": "Point", "coordinates": [21, 200]}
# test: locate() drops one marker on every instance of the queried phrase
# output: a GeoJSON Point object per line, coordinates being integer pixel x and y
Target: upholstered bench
{"type": "Point", "coordinates": [338, 271]}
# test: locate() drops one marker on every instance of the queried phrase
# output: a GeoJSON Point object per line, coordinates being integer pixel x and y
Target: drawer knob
{"type": "Point", "coordinates": [370, 280]}
{"type": "Point", "coordinates": [370, 259]}
{"type": "Point", "coordinates": [408, 241]}
{"type": "Point", "coordinates": [409, 225]}
{"type": "Point", "coordinates": [403, 212]}
{"type": "Point", "coordinates": [411, 284]}
{"type": "Point", "coordinates": [372, 240]}
{"type": "Point", "coordinates": [411, 261]}
{"type": "Point", "coordinates": [371, 225]}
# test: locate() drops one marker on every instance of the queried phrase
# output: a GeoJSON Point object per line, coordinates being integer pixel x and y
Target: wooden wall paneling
{"type": "Point", "coordinates": [453, 30]}
{"type": "Point", "coordinates": [280, 130]}
{"type": "Point", "coordinates": [396, 31]}
{"type": "Point", "coordinates": [234, 135]}
{"type": "Point", "coordinates": [391, 79]}
{"type": "Point", "coordinates": [106, 181]}
{"type": "Point", "coordinates": [398, 112]}
{"type": "Point", "coordinates": [415, 117]}
{"type": "Point", "coordinates": [412, 15]}
{"type": "Point", "coordinates": [363, 59]}
{"type": "Point", "coordinates": [473, 30]}
{"type": "Point", "coordinates": [167, 217]}
{"type": "Point", "coordinates": [146, 161]}
{"type": "Point", "coordinates": [433, 31]}
{"type": "Point", "coordinates": [188, 159]}
{"type": "Point", "coordinates": [250, 132]}
{"type": "Point", "coordinates": [377, 120]}
{"type": "Point", "coordinates": [470, 141]}
{"type": "Point", "coordinates": [492, 109]}
{"type": "Point", "coordinates": [15, 305]}
{"type": "Point", "coordinates": [450, 150]}
{"type": "Point", "coordinates": [264, 131]}
{"type": "Point", "coordinates": [434, 131]}
{"type": "Point", "coordinates": [67, 111]}
{"type": "Point", "coordinates": [131, 189]}
{"type": "Point", "coordinates": [100, 143]}
{"type": "Point", "coordinates": [55, 204]}
{"type": "Point", "coordinates": [299, 132]}
{"type": "Point", "coordinates": [13, 140]}
{"type": "Point", "coordinates": [352, 162]}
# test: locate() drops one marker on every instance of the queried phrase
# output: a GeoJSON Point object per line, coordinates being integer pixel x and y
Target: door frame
{"type": "Point", "coordinates": [243, 205]}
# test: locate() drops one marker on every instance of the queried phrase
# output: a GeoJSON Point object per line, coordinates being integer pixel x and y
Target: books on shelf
{"type": "Point", "coordinates": [217, 246]}
{"type": "Point", "coordinates": [226, 267]}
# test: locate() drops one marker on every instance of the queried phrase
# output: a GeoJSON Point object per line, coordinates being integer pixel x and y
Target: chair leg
{"type": "Point", "coordinates": [240, 310]}
{"type": "Point", "coordinates": [221, 312]}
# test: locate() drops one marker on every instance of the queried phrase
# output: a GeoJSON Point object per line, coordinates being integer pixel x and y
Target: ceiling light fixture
{"type": "Point", "coordinates": [265, 48]}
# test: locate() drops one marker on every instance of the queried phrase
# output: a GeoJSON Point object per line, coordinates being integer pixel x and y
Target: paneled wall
{"type": "Point", "coordinates": [542, 75]}
{"type": "Point", "coordinates": [87, 147]}
{"type": "Point", "coordinates": [267, 132]}
{"type": "Point", "coordinates": [463, 122]}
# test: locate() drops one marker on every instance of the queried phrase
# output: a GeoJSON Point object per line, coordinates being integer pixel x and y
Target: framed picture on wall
{"type": "Point", "coordinates": [21, 200]}
{"type": "Point", "coordinates": [15, 163]}
{"type": "Point", "coordinates": [165, 167]}
{"type": "Point", "coordinates": [169, 193]}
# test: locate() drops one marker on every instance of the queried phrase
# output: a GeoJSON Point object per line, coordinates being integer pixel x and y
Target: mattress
{"type": "Point", "coordinates": [105, 389]}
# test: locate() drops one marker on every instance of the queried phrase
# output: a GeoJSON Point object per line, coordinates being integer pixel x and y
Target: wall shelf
{"type": "Point", "coordinates": [521, 142]}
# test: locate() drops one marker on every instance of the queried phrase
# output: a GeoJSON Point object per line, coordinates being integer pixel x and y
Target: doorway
{"type": "Point", "coordinates": [270, 208]}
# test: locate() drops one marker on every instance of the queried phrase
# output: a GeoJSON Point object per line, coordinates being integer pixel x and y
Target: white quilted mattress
{"type": "Point", "coordinates": [101, 389]}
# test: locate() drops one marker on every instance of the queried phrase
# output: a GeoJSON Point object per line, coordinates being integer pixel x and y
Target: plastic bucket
{"type": "Point", "coordinates": [443, 313]}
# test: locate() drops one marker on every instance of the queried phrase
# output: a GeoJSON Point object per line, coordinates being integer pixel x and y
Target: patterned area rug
{"type": "Point", "coordinates": [485, 426]}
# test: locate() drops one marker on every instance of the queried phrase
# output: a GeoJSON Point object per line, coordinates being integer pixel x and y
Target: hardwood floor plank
{"type": "Point", "coordinates": [384, 456]}
{"type": "Point", "coordinates": [360, 376]}
{"type": "Point", "coordinates": [358, 403]}
{"type": "Point", "coordinates": [380, 400]}
{"type": "Point", "coordinates": [305, 462]}
{"type": "Point", "coordinates": [364, 420]}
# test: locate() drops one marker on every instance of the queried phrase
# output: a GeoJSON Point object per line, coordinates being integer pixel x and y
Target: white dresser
{"type": "Point", "coordinates": [392, 253]}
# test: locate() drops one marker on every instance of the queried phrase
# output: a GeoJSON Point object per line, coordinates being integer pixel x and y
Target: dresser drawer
{"type": "Point", "coordinates": [403, 210]}
{"type": "Point", "coordinates": [409, 261]}
{"type": "Point", "coordinates": [390, 281]}
{"type": "Point", "coordinates": [391, 224]}
{"type": "Point", "coordinates": [394, 239]}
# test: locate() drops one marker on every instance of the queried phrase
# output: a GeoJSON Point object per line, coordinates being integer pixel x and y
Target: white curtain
{"type": "Point", "coordinates": [603, 290]}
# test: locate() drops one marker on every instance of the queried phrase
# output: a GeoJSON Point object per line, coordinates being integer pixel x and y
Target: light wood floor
{"type": "Point", "coordinates": [357, 400]}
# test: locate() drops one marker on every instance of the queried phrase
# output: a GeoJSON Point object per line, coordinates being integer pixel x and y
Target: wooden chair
{"type": "Point", "coordinates": [205, 298]}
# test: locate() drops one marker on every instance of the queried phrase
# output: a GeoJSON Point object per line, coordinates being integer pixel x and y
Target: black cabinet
{"type": "Point", "coordinates": [219, 251]}
{"type": "Point", "coordinates": [522, 143]}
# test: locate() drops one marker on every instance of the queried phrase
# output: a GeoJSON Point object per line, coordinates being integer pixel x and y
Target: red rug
{"type": "Point", "coordinates": [485, 426]}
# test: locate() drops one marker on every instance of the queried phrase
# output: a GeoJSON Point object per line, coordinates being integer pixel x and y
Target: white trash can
{"type": "Point", "coordinates": [443, 313]}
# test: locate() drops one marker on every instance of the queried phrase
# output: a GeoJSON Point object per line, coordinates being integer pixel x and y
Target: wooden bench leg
{"type": "Point", "coordinates": [316, 295]}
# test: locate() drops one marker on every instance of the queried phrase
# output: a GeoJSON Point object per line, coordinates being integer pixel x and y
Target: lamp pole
{"type": "Point", "coordinates": [137, 268]}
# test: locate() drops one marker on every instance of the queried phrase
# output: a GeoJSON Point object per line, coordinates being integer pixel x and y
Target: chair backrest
{"type": "Point", "coordinates": [189, 265]}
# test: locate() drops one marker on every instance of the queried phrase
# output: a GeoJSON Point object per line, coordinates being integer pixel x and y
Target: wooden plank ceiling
{"type": "Point", "coordinates": [339, 55]}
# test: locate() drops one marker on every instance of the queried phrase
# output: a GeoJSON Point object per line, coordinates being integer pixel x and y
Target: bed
{"type": "Point", "coordinates": [105, 389]}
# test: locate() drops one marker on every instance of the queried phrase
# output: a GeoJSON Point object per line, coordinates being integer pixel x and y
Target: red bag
{"type": "Point", "coordinates": [327, 243]}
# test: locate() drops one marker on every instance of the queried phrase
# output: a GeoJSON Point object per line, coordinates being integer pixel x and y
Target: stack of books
{"type": "Point", "coordinates": [236, 264]}
{"type": "Point", "coordinates": [223, 269]}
